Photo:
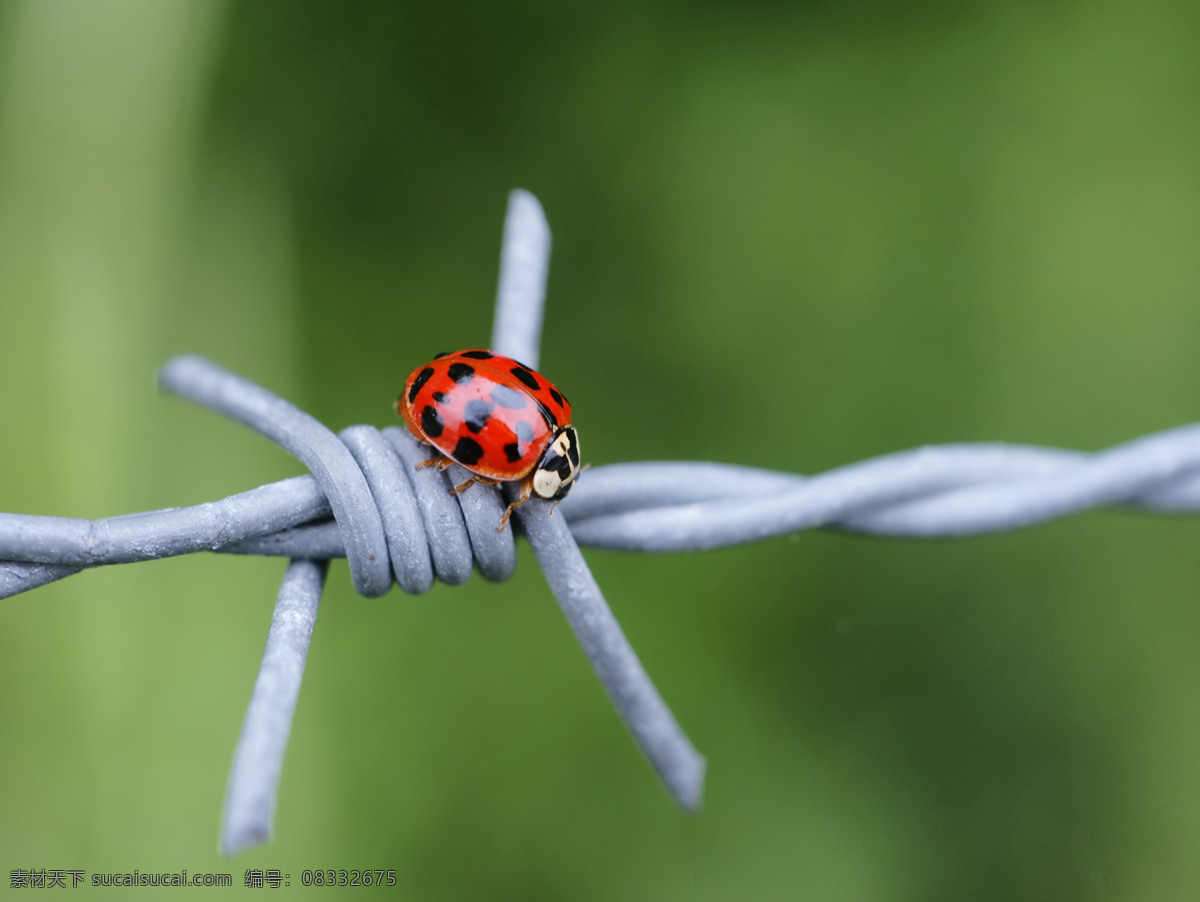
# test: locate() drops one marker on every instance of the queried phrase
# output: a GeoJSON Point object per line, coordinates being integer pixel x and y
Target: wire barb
{"type": "Point", "coordinates": [628, 685]}
{"type": "Point", "coordinates": [258, 762]}
{"type": "Point", "coordinates": [330, 462]}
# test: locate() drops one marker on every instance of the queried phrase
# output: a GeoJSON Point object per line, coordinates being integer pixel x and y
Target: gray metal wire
{"type": "Point", "coordinates": [254, 777]}
{"type": "Point", "coordinates": [365, 500]}
{"type": "Point", "coordinates": [931, 492]}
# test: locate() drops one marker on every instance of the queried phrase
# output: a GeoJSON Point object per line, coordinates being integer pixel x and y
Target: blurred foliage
{"type": "Point", "coordinates": [791, 236]}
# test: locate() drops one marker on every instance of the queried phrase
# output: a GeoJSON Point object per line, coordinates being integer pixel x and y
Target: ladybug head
{"type": "Point", "coordinates": [556, 471]}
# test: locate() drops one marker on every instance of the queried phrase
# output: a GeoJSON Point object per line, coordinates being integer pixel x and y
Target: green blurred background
{"type": "Point", "coordinates": [790, 236]}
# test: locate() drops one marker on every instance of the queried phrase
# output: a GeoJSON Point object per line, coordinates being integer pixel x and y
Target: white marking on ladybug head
{"type": "Point", "coordinates": [558, 467]}
{"type": "Point", "coordinates": [546, 483]}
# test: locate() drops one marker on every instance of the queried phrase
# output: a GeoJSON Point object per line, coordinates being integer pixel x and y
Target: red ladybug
{"type": "Point", "coordinates": [497, 418]}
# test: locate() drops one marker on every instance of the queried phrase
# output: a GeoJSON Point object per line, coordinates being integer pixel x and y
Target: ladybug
{"type": "Point", "coordinates": [497, 418]}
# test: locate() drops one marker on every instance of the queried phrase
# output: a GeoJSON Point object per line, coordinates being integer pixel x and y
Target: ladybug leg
{"type": "Point", "coordinates": [441, 461]}
{"type": "Point", "coordinates": [463, 486]}
{"type": "Point", "coordinates": [526, 491]}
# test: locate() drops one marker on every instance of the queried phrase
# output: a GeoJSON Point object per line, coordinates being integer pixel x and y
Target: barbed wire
{"type": "Point", "coordinates": [366, 501]}
{"type": "Point", "coordinates": [930, 492]}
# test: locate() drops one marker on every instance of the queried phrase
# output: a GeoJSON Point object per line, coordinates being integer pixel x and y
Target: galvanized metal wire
{"type": "Point", "coordinates": [254, 778]}
{"type": "Point", "coordinates": [365, 500]}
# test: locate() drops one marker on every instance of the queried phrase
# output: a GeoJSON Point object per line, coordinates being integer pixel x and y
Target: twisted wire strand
{"type": "Point", "coordinates": [35, 550]}
{"type": "Point", "coordinates": [666, 506]}
{"type": "Point", "coordinates": [936, 491]}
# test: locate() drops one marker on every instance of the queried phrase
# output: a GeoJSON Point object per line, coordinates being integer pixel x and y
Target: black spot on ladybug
{"type": "Point", "coordinates": [528, 379]}
{"type": "Point", "coordinates": [513, 452]}
{"type": "Point", "coordinates": [461, 372]}
{"type": "Point", "coordinates": [467, 451]}
{"type": "Point", "coordinates": [441, 354]}
{"type": "Point", "coordinates": [431, 422]}
{"type": "Point", "coordinates": [523, 430]}
{"type": "Point", "coordinates": [564, 398]}
{"type": "Point", "coordinates": [508, 397]}
{"type": "Point", "coordinates": [419, 383]}
{"type": "Point", "coordinates": [439, 398]}
{"type": "Point", "coordinates": [477, 414]}
{"type": "Point", "coordinates": [478, 355]}
{"type": "Point", "coordinates": [558, 399]}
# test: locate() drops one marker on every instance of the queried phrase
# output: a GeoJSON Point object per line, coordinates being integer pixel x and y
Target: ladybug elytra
{"type": "Point", "coordinates": [496, 418]}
